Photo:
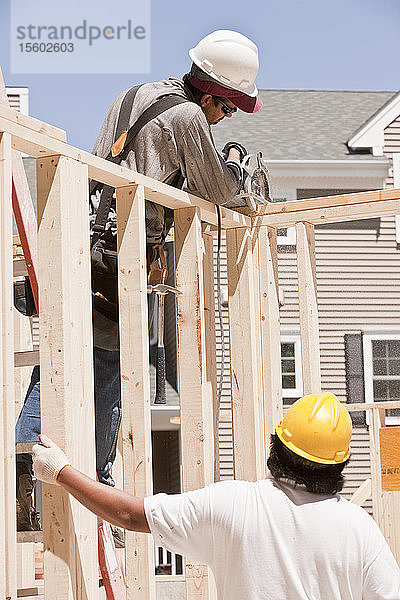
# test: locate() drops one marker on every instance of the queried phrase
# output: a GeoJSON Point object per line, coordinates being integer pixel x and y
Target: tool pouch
{"type": "Point", "coordinates": [103, 254]}
{"type": "Point", "coordinates": [23, 297]}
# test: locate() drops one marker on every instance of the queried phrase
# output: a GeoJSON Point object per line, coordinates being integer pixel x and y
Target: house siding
{"type": "Point", "coordinates": [358, 283]}
{"type": "Point", "coordinates": [391, 144]}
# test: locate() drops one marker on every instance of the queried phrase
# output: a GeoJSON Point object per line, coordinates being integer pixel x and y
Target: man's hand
{"type": "Point", "coordinates": [112, 505]}
{"type": "Point", "coordinates": [48, 460]}
{"type": "Point", "coordinates": [228, 149]}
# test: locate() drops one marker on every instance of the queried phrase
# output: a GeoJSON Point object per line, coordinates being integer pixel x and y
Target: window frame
{"type": "Point", "coordinates": [368, 338]}
{"type": "Point", "coordinates": [297, 392]}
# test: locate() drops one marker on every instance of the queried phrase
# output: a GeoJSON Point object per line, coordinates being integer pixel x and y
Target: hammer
{"type": "Point", "coordinates": [161, 290]}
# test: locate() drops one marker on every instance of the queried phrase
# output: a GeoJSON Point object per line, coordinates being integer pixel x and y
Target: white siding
{"type": "Point", "coordinates": [391, 144]}
{"type": "Point", "coordinates": [358, 277]}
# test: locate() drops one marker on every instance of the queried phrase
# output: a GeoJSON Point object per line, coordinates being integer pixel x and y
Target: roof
{"type": "Point", "coordinates": [303, 124]}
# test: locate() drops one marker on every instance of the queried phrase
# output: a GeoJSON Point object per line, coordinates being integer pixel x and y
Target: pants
{"type": "Point", "coordinates": [107, 401]}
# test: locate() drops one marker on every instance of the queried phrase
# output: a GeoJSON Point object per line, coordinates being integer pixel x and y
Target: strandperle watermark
{"type": "Point", "coordinates": [45, 38]}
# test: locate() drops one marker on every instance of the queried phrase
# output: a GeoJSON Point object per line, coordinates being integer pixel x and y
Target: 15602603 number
{"type": "Point", "coordinates": [47, 47]}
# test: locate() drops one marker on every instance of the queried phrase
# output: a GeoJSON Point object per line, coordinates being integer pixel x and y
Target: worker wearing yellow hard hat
{"type": "Point", "coordinates": [311, 444]}
{"type": "Point", "coordinates": [290, 535]}
{"type": "Point", "coordinates": [318, 428]}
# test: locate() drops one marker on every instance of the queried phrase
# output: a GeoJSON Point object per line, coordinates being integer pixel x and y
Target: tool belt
{"type": "Point", "coordinates": [105, 276]}
{"type": "Point", "coordinates": [103, 242]}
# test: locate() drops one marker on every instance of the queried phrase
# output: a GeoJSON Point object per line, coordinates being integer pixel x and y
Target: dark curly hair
{"type": "Point", "coordinates": [317, 478]}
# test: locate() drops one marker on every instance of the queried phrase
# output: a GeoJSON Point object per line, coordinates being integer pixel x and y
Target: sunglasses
{"type": "Point", "coordinates": [227, 110]}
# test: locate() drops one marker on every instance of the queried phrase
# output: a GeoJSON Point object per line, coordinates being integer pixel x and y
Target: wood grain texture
{"type": "Point", "coordinates": [210, 316]}
{"type": "Point", "coordinates": [66, 366]}
{"type": "Point", "coordinates": [268, 294]}
{"type": "Point", "coordinates": [136, 418]}
{"type": "Point", "coordinates": [7, 419]}
{"type": "Point", "coordinates": [245, 344]}
{"type": "Point", "coordinates": [195, 392]}
{"type": "Point", "coordinates": [308, 308]}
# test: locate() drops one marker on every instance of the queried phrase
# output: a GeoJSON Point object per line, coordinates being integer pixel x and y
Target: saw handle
{"type": "Point", "coordinates": [161, 397]}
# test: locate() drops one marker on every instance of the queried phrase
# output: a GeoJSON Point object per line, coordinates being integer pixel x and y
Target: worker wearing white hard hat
{"type": "Point", "coordinates": [225, 63]}
{"type": "Point", "coordinates": [177, 148]}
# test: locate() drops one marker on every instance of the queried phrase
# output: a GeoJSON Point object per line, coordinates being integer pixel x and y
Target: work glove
{"type": "Point", "coordinates": [241, 149]}
{"type": "Point", "coordinates": [48, 460]}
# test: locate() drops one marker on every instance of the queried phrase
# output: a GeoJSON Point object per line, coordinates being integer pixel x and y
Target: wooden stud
{"type": "Point", "coordinates": [362, 493]}
{"type": "Point", "coordinates": [25, 565]}
{"type": "Point", "coordinates": [308, 307]}
{"type": "Point", "coordinates": [135, 392]}
{"type": "Point", "coordinates": [209, 315]}
{"type": "Point", "coordinates": [244, 331]}
{"type": "Point", "coordinates": [66, 366]}
{"type": "Point", "coordinates": [195, 392]}
{"type": "Point", "coordinates": [377, 501]}
{"type": "Point", "coordinates": [268, 294]}
{"type": "Point", "coordinates": [8, 562]}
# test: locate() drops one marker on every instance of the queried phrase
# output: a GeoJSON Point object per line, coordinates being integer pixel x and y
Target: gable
{"type": "Point", "coordinates": [371, 134]}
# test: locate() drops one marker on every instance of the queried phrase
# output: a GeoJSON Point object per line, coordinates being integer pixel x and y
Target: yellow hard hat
{"type": "Point", "coordinates": [317, 427]}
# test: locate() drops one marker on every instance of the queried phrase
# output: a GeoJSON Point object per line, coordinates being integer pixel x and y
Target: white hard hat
{"type": "Point", "coordinates": [230, 58]}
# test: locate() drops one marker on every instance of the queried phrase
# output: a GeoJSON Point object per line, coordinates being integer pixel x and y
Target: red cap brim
{"type": "Point", "coordinates": [246, 103]}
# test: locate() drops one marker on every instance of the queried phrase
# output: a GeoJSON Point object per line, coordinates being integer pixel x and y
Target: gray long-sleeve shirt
{"type": "Point", "coordinates": [178, 141]}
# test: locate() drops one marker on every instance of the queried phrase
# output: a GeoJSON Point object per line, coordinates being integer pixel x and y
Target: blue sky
{"type": "Point", "coordinates": [308, 44]}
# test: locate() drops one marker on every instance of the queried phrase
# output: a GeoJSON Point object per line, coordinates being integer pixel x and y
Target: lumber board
{"type": "Point", "coordinates": [26, 120]}
{"type": "Point", "coordinates": [268, 294]}
{"type": "Point", "coordinates": [343, 200]}
{"type": "Point", "coordinates": [135, 382]}
{"type": "Point", "coordinates": [8, 548]}
{"type": "Point", "coordinates": [28, 537]}
{"type": "Point", "coordinates": [66, 365]}
{"type": "Point", "coordinates": [195, 392]}
{"type": "Point", "coordinates": [362, 493]}
{"type": "Point", "coordinates": [360, 406]}
{"type": "Point", "coordinates": [35, 124]}
{"type": "Point", "coordinates": [375, 424]}
{"type": "Point", "coordinates": [258, 367]}
{"type": "Point", "coordinates": [245, 344]}
{"type": "Point", "coordinates": [308, 308]}
{"type": "Point", "coordinates": [25, 565]}
{"type": "Point", "coordinates": [335, 214]}
{"type": "Point", "coordinates": [40, 145]}
{"type": "Point", "coordinates": [26, 358]}
{"type": "Point", "coordinates": [210, 316]}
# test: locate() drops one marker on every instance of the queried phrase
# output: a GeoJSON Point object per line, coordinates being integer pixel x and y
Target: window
{"type": "Point", "coordinates": [382, 371]}
{"type": "Point", "coordinates": [292, 386]}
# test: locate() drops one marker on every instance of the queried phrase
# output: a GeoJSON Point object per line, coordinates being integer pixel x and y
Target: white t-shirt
{"type": "Point", "coordinates": [269, 540]}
